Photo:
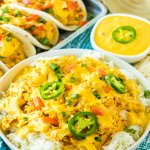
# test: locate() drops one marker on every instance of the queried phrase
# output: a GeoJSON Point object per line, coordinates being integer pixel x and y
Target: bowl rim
{"type": "Point", "coordinates": [79, 53]}
{"type": "Point", "coordinates": [96, 47]}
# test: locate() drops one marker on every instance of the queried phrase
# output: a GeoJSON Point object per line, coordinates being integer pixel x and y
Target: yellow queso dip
{"type": "Point", "coordinates": [123, 35]}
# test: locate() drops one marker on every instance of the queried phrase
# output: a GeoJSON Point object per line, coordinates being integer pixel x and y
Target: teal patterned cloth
{"type": "Point", "coordinates": [83, 41]}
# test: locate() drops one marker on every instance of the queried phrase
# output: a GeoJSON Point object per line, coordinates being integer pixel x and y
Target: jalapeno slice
{"type": "Point", "coordinates": [51, 90]}
{"type": "Point", "coordinates": [116, 83]}
{"type": "Point", "coordinates": [83, 124]}
{"type": "Point", "coordinates": [124, 34]}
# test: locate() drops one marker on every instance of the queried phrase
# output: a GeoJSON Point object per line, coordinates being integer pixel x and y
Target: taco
{"type": "Point", "coordinates": [67, 14]}
{"type": "Point", "coordinates": [13, 47]}
{"type": "Point", "coordinates": [40, 31]}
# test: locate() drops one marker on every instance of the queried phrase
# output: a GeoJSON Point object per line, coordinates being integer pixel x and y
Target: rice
{"type": "Point", "coordinates": [143, 100]}
{"type": "Point", "coordinates": [128, 74]}
{"type": "Point", "coordinates": [123, 115]}
{"type": "Point", "coordinates": [120, 141]}
{"type": "Point", "coordinates": [138, 131]}
{"type": "Point", "coordinates": [34, 141]}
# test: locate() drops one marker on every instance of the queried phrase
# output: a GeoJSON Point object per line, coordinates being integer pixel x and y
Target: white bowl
{"type": "Point", "coordinates": [9, 76]}
{"type": "Point", "coordinates": [129, 59]}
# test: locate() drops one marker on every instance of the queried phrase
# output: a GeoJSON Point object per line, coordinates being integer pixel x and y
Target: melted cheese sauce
{"type": "Point", "coordinates": [103, 35]}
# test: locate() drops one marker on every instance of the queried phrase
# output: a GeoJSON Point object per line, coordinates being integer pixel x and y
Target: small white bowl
{"type": "Point", "coordinates": [129, 59]}
{"type": "Point", "coordinates": [9, 76]}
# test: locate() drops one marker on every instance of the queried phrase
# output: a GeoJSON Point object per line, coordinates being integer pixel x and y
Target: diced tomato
{"type": "Point", "coordinates": [50, 120]}
{"type": "Point", "coordinates": [97, 111]}
{"type": "Point", "coordinates": [40, 27]}
{"type": "Point", "coordinates": [47, 5]}
{"type": "Point", "coordinates": [31, 103]}
{"type": "Point", "coordinates": [32, 17]}
{"type": "Point", "coordinates": [26, 2]}
{"type": "Point", "coordinates": [37, 6]}
{"type": "Point", "coordinates": [37, 30]}
{"type": "Point", "coordinates": [107, 89]}
{"type": "Point", "coordinates": [101, 72]}
{"type": "Point", "coordinates": [27, 25]}
{"type": "Point", "coordinates": [72, 5]}
{"type": "Point", "coordinates": [38, 103]}
{"type": "Point", "coordinates": [1, 37]}
{"type": "Point", "coordinates": [70, 67]}
{"type": "Point", "coordinates": [68, 87]}
{"type": "Point", "coordinates": [82, 23]}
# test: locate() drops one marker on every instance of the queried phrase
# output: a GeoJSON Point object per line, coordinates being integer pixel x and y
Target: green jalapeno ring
{"type": "Point", "coordinates": [131, 35]}
{"type": "Point", "coordinates": [51, 90]}
{"type": "Point", "coordinates": [83, 124]}
{"type": "Point", "coordinates": [116, 83]}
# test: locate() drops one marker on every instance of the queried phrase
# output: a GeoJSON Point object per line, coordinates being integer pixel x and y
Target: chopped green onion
{"type": "Point", "coordinates": [16, 13]}
{"type": "Point", "coordinates": [98, 139]}
{"type": "Point", "coordinates": [84, 65]}
{"type": "Point", "coordinates": [41, 20]}
{"type": "Point", "coordinates": [1, 18]}
{"type": "Point", "coordinates": [2, 57]}
{"type": "Point", "coordinates": [74, 96]}
{"type": "Point", "coordinates": [49, 10]}
{"type": "Point", "coordinates": [32, 28]}
{"type": "Point", "coordinates": [6, 19]}
{"type": "Point", "coordinates": [95, 93]}
{"type": "Point", "coordinates": [9, 37]}
{"type": "Point", "coordinates": [128, 130]}
{"type": "Point", "coordinates": [54, 67]}
{"type": "Point", "coordinates": [63, 114]}
{"type": "Point", "coordinates": [5, 10]}
{"type": "Point", "coordinates": [147, 93]}
{"type": "Point", "coordinates": [26, 118]}
{"type": "Point", "coordinates": [68, 102]}
{"type": "Point", "coordinates": [72, 79]}
{"type": "Point", "coordinates": [44, 41]}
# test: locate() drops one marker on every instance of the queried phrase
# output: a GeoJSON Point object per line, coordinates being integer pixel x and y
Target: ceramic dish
{"type": "Point", "coordinates": [129, 58]}
{"type": "Point", "coordinates": [9, 76]}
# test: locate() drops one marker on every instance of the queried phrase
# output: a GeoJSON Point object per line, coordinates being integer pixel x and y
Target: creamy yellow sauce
{"type": "Point", "coordinates": [103, 35]}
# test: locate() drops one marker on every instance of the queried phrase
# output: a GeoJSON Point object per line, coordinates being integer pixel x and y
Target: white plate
{"type": "Point", "coordinates": [8, 77]}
